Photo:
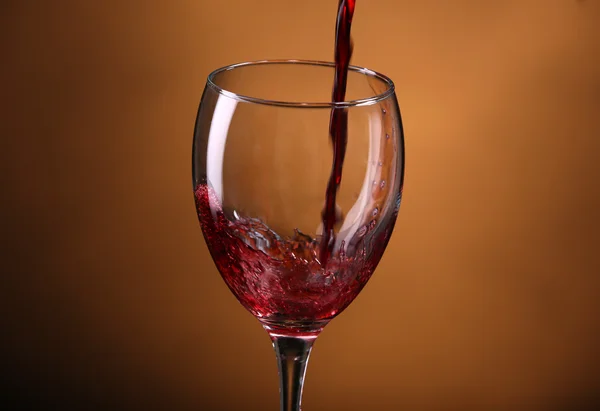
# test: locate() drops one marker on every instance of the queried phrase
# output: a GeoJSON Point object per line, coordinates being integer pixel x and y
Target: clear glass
{"type": "Point", "coordinates": [262, 158]}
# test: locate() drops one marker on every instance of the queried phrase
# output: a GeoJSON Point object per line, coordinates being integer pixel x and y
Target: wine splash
{"type": "Point", "coordinates": [281, 280]}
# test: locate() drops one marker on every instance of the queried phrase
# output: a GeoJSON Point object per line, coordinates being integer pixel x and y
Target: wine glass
{"type": "Point", "coordinates": [262, 160]}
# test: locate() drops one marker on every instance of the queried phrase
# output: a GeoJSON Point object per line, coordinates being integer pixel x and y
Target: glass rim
{"type": "Point", "coordinates": [342, 104]}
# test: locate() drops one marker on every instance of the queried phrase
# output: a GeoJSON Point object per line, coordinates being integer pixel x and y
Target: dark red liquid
{"type": "Point", "coordinates": [281, 280]}
{"type": "Point", "coordinates": [338, 127]}
{"type": "Point", "coordinates": [296, 284]}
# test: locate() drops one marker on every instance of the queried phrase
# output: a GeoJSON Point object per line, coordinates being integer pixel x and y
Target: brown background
{"type": "Point", "coordinates": [489, 295]}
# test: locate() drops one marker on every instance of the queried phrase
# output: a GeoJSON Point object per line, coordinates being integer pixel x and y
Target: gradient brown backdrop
{"type": "Point", "coordinates": [489, 295]}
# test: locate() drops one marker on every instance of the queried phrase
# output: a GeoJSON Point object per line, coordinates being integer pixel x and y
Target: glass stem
{"type": "Point", "coordinates": [292, 357]}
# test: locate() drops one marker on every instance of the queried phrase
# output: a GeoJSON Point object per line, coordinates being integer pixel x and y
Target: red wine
{"type": "Point", "coordinates": [295, 284]}
{"type": "Point", "coordinates": [338, 126]}
{"type": "Point", "coordinates": [281, 280]}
